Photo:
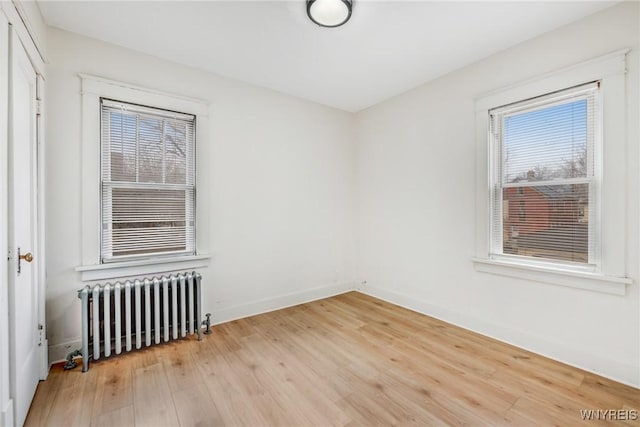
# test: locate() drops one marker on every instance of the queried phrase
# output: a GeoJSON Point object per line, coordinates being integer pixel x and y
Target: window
{"type": "Point", "coordinates": [147, 181]}
{"type": "Point", "coordinates": [545, 159]}
{"type": "Point", "coordinates": [577, 155]}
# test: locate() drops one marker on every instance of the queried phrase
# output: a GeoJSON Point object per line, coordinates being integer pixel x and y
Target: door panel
{"type": "Point", "coordinates": [23, 289]}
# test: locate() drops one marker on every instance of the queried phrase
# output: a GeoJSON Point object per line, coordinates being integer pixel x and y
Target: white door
{"type": "Point", "coordinates": [24, 334]}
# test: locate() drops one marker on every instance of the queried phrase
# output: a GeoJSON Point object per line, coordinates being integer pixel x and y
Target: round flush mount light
{"type": "Point", "coordinates": [329, 13]}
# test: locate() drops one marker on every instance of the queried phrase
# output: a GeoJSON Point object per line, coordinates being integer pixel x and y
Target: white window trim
{"type": "Point", "coordinates": [150, 266]}
{"type": "Point", "coordinates": [610, 70]}
{"type": "Point", "coordinates": [94, 88]}
{"type": "Point", "coordinates": [554, 275]}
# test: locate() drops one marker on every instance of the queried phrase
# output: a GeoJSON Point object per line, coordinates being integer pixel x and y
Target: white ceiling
{"type": "Point", "coordinates": [385, 49]}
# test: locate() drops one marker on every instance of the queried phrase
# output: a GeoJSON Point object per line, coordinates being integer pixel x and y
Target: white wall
{"type": "Point", "coordinates": [280, 187]}
{"type": "Point", "coordinates": [416, 190]}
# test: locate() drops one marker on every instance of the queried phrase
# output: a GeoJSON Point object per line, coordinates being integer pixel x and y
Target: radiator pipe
{"type": "Point", "coordinates": [70, 362]}
{"type": "Point", "coordinates": [83, 294]}
{"type": "Point", "coordinates": [198, 303]}
{"type": "Point", "coordinates": [207, 323]}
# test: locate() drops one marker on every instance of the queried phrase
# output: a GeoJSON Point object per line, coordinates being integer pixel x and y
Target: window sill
{"type": "Point", "coordinates": [573, 279]}
{"type": "Point", "coordinates": [146, 267]}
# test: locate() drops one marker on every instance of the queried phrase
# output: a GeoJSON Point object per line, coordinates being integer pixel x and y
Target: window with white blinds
{"type": "Point", "coordinates": [148, 181]}
{"type": "Point", "coordinates": [545, 177]}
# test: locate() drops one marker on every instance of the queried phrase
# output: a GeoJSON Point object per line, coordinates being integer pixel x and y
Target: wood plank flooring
{"type": "Point", "coordinates": [343, 361]}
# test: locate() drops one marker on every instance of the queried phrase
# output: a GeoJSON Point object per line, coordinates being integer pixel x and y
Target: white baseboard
{"type": "Point", "coordinates": [276, 303]}
{"type": "Point", "coordinates": [58, 352]}
{"type": "Point", "coordinates": [6, 415]}
{"type": "Point", "coordinates": [612, 369]}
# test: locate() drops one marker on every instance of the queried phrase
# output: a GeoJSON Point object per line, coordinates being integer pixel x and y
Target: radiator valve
{"type": "Point", "coordinates": [208, 323]}
{"type": "Point", "coordinates": [70, 362]}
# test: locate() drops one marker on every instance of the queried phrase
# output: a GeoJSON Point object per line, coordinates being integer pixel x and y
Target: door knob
{"type": "Point", "coordinates": [27, 257]}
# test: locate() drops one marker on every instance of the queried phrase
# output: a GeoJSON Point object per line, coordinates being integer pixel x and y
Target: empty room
{"type": "Point", "coordinates": [319, 213]}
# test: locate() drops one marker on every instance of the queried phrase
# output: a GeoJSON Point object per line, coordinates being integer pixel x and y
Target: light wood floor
{"type": "Point", "coordinates": [347, 360]}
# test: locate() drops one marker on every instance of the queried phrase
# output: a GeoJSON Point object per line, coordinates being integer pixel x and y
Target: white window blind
{"type": "Point", "coordinates": [148, 181]}
{"type": "Point", "coordinates": [545, 177]}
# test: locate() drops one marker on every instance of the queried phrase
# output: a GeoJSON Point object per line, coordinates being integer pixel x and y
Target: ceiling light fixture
{"type": "Point", "coordinates": [329, 13]}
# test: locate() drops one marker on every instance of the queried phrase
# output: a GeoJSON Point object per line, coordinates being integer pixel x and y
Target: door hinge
{"type": "Point", "coordinates": [38, 107]}
{"type": "Point", "coordinates": [40, 333]}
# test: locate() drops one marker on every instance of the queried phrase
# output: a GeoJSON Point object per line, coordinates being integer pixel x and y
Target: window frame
{"type": "Point", "coordinates": [593, 179]}
{"type": "Point", "coordinates": [611, 277]}
{"type": "Point", "coordinates": [91, 268]}
{"type": "Point", "coordinates": [157, 112]}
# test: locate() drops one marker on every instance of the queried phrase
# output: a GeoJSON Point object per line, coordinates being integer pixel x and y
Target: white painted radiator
{"type": "Point", "coordinates": [115, 316]}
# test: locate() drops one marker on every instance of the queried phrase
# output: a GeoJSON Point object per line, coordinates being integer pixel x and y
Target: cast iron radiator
{"type": "Point", "coordinates": [115, 316]}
